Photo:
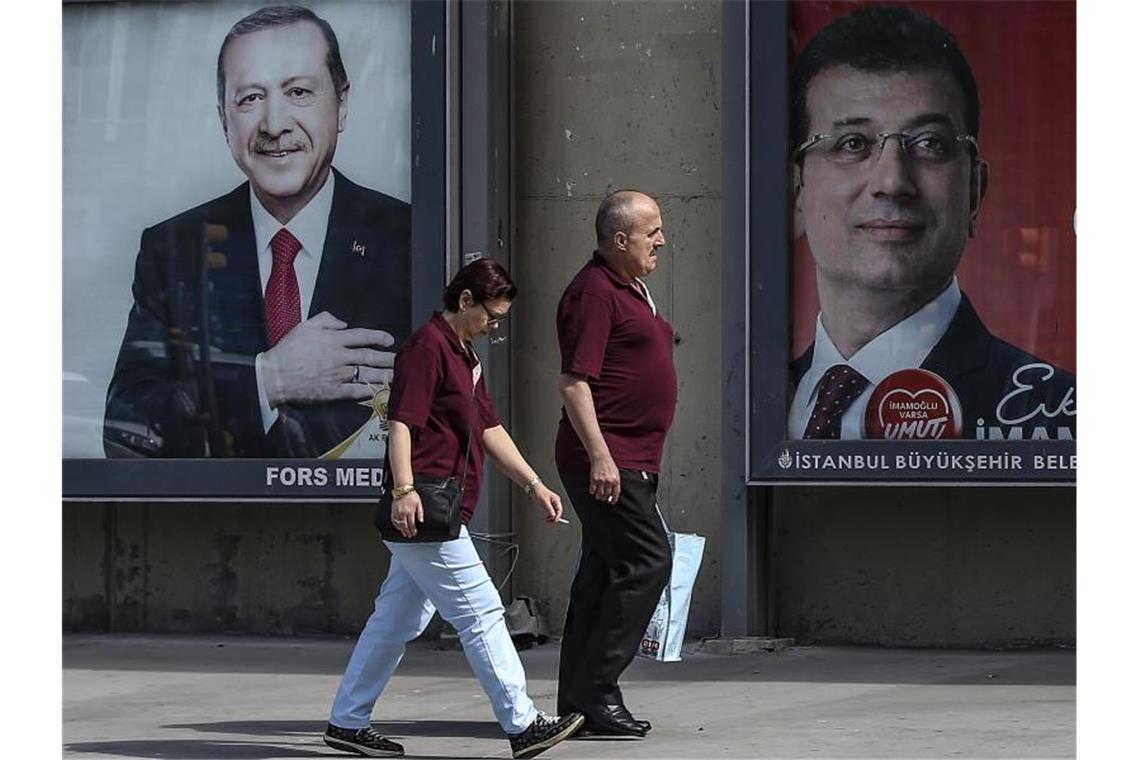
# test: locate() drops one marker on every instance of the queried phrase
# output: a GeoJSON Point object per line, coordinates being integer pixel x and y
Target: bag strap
{"type": "Point", "coordinates": [466, 458]}
{"type": "Point", "coordinates": [474, 391]}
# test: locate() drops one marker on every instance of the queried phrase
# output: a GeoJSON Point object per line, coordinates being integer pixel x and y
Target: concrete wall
{"type": "Point", "coordinates": [610, 96]}
{"type": "Point", "coordinates": [253, 568]}
{"type": "Point", "coordinates": [991, 567]}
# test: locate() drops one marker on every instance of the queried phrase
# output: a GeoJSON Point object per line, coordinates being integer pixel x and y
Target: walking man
{"type": "Point", "coordinates": [619, 391]}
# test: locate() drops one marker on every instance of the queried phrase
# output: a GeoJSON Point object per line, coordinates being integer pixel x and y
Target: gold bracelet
{"type": "Point", "coordinates": [400, 492]}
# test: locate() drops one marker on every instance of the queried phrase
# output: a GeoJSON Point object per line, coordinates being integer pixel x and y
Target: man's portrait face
{"type": "Point", "coordinates": [644, 238]}
{"type": "Point", "coordinates": [281, 111]}
{"type": "Point", "coordinates": [891, 220]}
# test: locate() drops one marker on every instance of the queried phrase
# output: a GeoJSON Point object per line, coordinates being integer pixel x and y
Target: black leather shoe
{"type": "Point", "coordinates": [643, 723]}
{"type": "Point", "coordinates": [611, 720]}
{"type": "Point", "coordinates": [565, 707]}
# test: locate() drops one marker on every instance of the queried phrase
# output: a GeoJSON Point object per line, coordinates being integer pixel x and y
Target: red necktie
{"type": "Point", "coordinates": [840, 386]}
{"type": "Point", "coordinates": [282, 295]}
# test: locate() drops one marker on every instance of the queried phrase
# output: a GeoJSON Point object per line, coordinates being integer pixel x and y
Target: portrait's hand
{"type": "Point", "coordinates": [407, 513]}
{"type": "Point", "coordinates": [605, 480]}
{"type": "Point", "coordinates": [549, 501]}
{"type": "Point", "coordinates": [318, 360]}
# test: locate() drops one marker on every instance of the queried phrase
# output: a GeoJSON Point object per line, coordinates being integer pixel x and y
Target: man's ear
{"type": "Point", "coordinates": [466, 300]}
{"type": "Point", "coordinates": [796, 183]}
{"type": "Point", "coordinates": [621, 241]}
{"type": "Point", "coordinates": [222, 118]}
{"type": "Point", "coordinates": [342, 110]}
{"type": "Point", "coordinates": [979, 181]}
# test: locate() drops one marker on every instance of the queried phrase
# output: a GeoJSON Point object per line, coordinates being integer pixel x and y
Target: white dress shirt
{"type": "Point", "coordinates": [310, 227]}
{"type": "Point", "coordinates": [903, 346]}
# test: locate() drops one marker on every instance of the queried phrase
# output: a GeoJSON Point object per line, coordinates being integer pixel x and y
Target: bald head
{"type": "Point", "coordinates": [618, 213]}
{"type": "Point", "coordinates": [629, 232]}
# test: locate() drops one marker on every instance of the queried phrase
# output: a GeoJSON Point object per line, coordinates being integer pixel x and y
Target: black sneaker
{"type": "Point", "coordinates": [544, 733]}
{"type": "Point", "coordinates": [362, 741]}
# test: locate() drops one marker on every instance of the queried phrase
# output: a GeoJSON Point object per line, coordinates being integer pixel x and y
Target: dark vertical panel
{"type": "Point", "coordinates": [768, 223]}
{"type": "Point", "coordinates": [429, 156]}
{"type": "Point", "coordinates": [755, 298]}
{"type": "Point", "coordinates": [734, 576]}
{"type": "Point", "coordinates": [485, 203]}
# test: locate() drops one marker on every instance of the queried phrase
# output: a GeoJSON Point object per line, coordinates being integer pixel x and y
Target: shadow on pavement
{"type": "Point", "coordinates": [396, 729]}
{"type": "Point", "coordinates": [278, 738]}
{"type": "Point", "coordinates": [193, 749]}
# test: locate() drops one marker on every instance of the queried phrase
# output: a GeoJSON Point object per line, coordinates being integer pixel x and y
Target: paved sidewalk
{"type": "Point", "coordinates": [262, 698]}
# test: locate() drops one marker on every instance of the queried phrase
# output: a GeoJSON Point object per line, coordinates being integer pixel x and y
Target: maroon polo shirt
{"type": "Point", "coordinates": [609, 334]}
{"type": "Point", "coordinates": [432, 393]}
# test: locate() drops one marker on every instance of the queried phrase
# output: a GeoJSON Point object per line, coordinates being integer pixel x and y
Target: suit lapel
{"type": "Point", "coordinates": [346, 258]}
{"type": "Point", "coordinates": [961, 353]}
{"type": "Point", "coordinates": [797, 371]}
{"type": "Point", "coordinates": [235, 293]}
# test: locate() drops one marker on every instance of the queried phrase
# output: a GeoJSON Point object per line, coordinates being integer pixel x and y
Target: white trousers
{"type": "Point", "coordinates": [423, 577]}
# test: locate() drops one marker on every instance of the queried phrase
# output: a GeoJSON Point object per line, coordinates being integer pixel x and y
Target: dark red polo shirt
{"type": "Point", "coordinates": [608, 333]}
{"type": "Point", "coordinates": [433, 394]}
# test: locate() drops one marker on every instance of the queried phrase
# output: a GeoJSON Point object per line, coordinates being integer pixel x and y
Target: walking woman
{"type": "Point", "coordinates": [441, 419]}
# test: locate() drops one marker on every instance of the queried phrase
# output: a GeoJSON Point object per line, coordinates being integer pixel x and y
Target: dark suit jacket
{"type": "Point", "coordinates": [184, 383]}
{"type": "Point", "coordinates": [980, 367]}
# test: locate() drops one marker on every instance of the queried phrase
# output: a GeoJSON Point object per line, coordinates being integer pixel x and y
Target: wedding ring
{"type": "Point", "coordinates": [356, 373]}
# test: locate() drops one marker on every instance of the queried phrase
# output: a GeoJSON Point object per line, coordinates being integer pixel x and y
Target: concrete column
{"type": "Point", "coordinates": [610, 96]}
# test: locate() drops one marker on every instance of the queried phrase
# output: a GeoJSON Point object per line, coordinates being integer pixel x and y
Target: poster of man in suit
{"type": "Point", "coordinates": [933, 195]}
{"type": "Point", "coordinates": [237, 259]}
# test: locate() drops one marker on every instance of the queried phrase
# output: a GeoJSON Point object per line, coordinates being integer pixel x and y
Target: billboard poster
{"type": "Point", "coordinates": [237, 248]}
{"type": "Point", "coordinates": [932, 221]}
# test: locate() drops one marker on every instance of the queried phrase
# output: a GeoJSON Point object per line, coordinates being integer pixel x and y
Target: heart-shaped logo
{"type": "Point", "coordinates": [913, 404]}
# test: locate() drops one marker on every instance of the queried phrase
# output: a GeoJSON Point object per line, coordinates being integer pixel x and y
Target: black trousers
{"type": "Point", "coordinates": [623, 569]}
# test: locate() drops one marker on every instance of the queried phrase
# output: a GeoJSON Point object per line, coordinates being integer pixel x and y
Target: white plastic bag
{"type": "Point", "coordinates": [666, 630]}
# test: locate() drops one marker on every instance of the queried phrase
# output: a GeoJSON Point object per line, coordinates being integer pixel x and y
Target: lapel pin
{"type": "Point", "coordinates": [357, 248]}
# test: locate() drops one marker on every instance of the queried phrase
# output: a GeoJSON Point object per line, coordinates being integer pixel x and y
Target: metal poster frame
{"type": "Point", "coordinates": [758, 283]}
{"type": "Point", "coordinates": [434, 169]}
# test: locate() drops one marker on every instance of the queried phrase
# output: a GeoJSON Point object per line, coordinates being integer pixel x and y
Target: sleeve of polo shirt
{"type": "Point", "coordinates": [487, 412]}
{"type": "Point", "coordinates": [414, 381]}
{"type": "Point", "coordinates": [584, 325]}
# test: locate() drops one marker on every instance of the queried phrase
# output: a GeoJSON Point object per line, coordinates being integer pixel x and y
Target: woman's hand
{"type": "Point", "coordinates": [549, 501]}
{"type": "Point", "coordinates": [407, 513]}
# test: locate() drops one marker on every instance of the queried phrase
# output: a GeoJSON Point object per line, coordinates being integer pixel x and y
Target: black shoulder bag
{"type": "Point", "coordinates": [442, 499]}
